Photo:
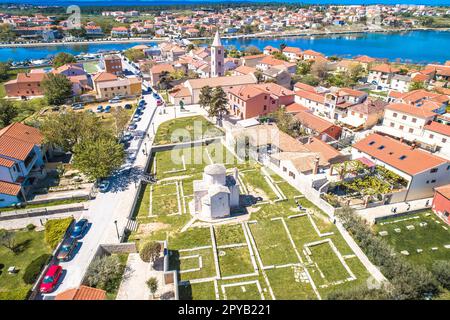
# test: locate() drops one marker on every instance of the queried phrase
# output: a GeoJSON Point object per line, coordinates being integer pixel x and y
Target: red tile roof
{"type": "Point", "coordinates": [9, 188]}
{"type": "Point", "coordinates": [295, 107]}
{"type": "Point", "coordinates": [397, 154]}
{"type": "Point", "coordinates": [439, 128]}
{"type": "Point", "coordinates": [411, 110]}
{"type": "Point", "coordinates": [444, 190]}
{"type": "Point", "coordinates": [82, 293]}
{"type": "Point", "coordinates": [313, 122]}
{"type": "Point", "coordinates": [6, 163]}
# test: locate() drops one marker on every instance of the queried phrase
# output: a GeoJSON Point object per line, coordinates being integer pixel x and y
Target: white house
{"type": "Point", "coordinates": [423, 171]}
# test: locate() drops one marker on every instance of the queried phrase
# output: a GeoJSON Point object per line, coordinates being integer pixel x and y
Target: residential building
{"type": "Point", "coordinates": [318, 126]}
{"type": "Point", "coordinates": [400, 83]}
{"type": "Point", "coordinates": [381, 75]}
{"type": "Point", "coordinates": [157, 70]}
{"type": "Point", "coordinates": [365, 115]}
{"type": "Point", "coordinates": [293, 53]}
{"type": "Point", "coordinates": [119, 87]}
{"type": "Point", "coordinates": [256, 100]}
{"type": "Point", "coordinates": [441, 202]}
{"type": "Point", "coordinates": [112, 64]}
{"type": "Point", "coordinates": [25, 85]}
{"type": "Point", "coordinates": [422, 170]}
{"type": "Point", "coordinates": [22, 158]}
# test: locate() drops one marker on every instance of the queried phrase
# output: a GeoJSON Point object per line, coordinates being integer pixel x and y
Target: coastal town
{"type": "Point", "coordinates": [186, 169]}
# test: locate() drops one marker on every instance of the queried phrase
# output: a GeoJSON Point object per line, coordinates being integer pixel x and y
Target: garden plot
{"type": "Point", "coordinates": [290, 283]}
{"type": "Point", "coordinates": [229, 234]}
{"type": "Point", "coordinates": [195, 264]}
{"type": "Point", "coordinates": [257, 185]}
{"type": "Point", "coordinates": [272, 243]}
{"type": "Point", "coordinates": [197, 291]}
{"type": "Point", "coordinates": [421, 235]}
{"type": "Point", "coordinates": [168, 162]}
{"type": "Point", "coordinates": [245, 290]}
{"type": "Point", "coordinates": [326, 264]}
{"type": "Point", "coordinates": [235, 261]}
{"type": "Point", "coordinates": [165, 199]}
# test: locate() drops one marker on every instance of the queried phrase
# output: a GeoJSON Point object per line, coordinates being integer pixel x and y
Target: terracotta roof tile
{"type": "Point", "coordinates": [82, 293]}
{"type": "Point", "coordinates": [12, 189]}
{"type": "Point", "coordinates": [397, 154]}
{"type": "Point", "coordinates": [439, 128]}
{"type": "Point", "coordinates": [444, 190]}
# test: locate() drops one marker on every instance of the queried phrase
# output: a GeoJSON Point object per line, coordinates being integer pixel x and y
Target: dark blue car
{"type": "Point", "coordinates": [79, 229]}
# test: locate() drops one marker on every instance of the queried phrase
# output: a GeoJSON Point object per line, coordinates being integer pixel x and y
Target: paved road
{"type": "Point", "coordinates": [116, 203]}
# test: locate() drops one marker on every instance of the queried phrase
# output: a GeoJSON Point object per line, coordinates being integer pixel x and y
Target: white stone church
{"type": "Point", "coordinates": [216, 194]}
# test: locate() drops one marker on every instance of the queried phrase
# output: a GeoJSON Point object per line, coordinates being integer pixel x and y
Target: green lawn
{"type": "Point", "coordinates": [186, 129]}
{"type": "Point", "coordinates": [44, 205]}
{"type": "Point", "coordinates": [90, 67]}
{"type": "Point", "coordinates": [433, 235]}
{"type": "Point", "coordinates": [270, 236]}
{"type": "Point", "coordinates": [32, 246]}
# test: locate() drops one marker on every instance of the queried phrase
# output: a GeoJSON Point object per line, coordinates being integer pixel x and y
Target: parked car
{"type": "Point", "coordinates": [127, 136]}
{"type": "Point", "coordinates": [100, 109]}
{"type": "Point", "coordinates": [103, 186]}
{"type": "Point", "coordinates": [50, 279]}
{"type": "Point", "coordinates": [67, 248]}
{"type": "Point", "coordinates": [159, 103]}
{"type": "Point", "coordinates": [79, 229]}
{"type": "Point", "coordinates": [108, 109]}
{"type": "Point", "coordinates": [136, 117]}
{"type": "Point", "coordinates": [128, 106]}
{"type": "Point", "coordinates": [155, 95]}
{"type": "Point", "coordinates": [132, 126]}
{"type": "Point", "coordinates": [77, 106]}
{"type": "Point", "coordinates": [114, 100]}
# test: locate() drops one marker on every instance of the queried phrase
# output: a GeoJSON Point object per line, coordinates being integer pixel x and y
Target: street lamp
{"type": "Point", "coordinates": [117, 230]}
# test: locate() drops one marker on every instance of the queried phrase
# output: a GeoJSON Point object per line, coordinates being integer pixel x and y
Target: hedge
{"type": "Point", "coordinates": [55, 230]}
{"type": "Point", "coordinates": [33, 270]}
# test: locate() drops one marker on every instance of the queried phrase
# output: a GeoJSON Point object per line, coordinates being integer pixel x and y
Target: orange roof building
{"type": "Point", "coordinates": [82, 293]}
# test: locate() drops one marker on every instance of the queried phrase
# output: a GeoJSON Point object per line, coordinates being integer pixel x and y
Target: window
{"type": "Point", "coordinates": [411, 130]}
{"type": "Point", "coordinates": [284, 169]}
{"type": "Point", "coordinates": [431, 136]}
{"type": "Point", "coordinates": [404, 118]}
{"type": "Point", "coordinates": [402, 157]}
{"type": "Point", "coordinates": [401, 127]}
{"type": "Point", "coordinates": [381, 147]}
{"type": "Point", "coordinates": [371, 143]}
{"type": "Point", "coordinates": [444, 140]}
{"type": "Point", "coordinates": [392, 124]}
{"type": "Point", "coordinates": [433, 181]}
{"type": "Point", "coordinates": [414, 120]}
{"type": "Point", "coordinates": [394, 114]}
{"type": "Point", "coordinates": [434, 170]}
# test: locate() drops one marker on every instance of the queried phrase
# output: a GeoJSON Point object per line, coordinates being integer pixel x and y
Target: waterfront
{"type": "Point", "coordinates": [412, 46]}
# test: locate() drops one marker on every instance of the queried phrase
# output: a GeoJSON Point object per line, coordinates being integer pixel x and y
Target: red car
{"type": "Point", "coordinates": [159, 103]}
{"type": "Point", "coordinates": [50, 279]}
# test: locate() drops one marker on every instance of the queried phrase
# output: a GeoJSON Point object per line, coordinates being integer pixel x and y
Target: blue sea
{"type": "Point", "coordinates": [414, 46]}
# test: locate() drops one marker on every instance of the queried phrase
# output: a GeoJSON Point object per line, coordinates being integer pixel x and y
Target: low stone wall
{"type": "Point", "coordinates": [115, 248]}
{"type": "Point", "coordinates": [20, 214]}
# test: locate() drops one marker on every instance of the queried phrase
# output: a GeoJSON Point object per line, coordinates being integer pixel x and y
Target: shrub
{"type": "Point", "coordinates": [55, 230]}
{"type": "Point", "coordinates": [33, 270]}
{"type": "Point", "coordinates": [105, 273]}
{"type": "Point", "coordinates": [152, 284]}
{"type": "Point", "coordinates": [150, 251]}
{"type": "Point", "coordinates": [31, 227]}
{"type": "Point", "coordinates": [441, 270]}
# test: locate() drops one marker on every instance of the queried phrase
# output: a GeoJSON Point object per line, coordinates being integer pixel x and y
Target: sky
{"type": "Point", "coordinates": [159, 2]}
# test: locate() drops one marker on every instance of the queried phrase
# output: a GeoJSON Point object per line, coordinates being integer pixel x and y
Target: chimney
{"type": "Point", "coordinates": [316, 165]}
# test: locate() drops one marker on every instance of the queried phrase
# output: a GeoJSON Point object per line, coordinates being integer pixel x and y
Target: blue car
{"type": "Point", "coordinates": [100, 109]}
{"type": "Point", "coordinates": [108, 109]}
{"type": "Point", "coordinates": [155, 95]}
{"type": "Point", "coordinates": [79, 229]}
{"type": "Point", "coordinates": [127, 106]}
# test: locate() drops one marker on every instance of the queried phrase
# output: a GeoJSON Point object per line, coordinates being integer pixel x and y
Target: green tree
{"type": "Point", "coordinates": [98, 158]}
{"type": "Point", "coordinates": [66, 129]}
{"type": "Point", "coordinates": [6, 33]}
{"type": "Point", "coordinates": [416, 85]}
{"type": "Point", "coordinates": [218, 107]}
{"type": "Point", "coordinates": [152, 284]}
{"type": "Point", "coordinates": [251, 50]}
{"type": "Point", "coordinates": [5, 67]}
{"type": "Point", "coordinates": [105, 273]}
{"type": "Point", "coordinates": [150, 251]}
{"type": "Point", "coordinates": [8, 112]}
{"type": "Point", "coordinates": [441, 271]}
{"type": "Point", "coordinates": [121, 119]}
{"type": "Point", "coordinates": [303, 67]}
{"type": "Point", "coordinates": [57, 88]}
{"type": "Point", "coordinates": [78, 33]}
{"type": "Point", "coordinates": [164, 82]}
{"type": "Point", "coordinates": [205, 97]}
{"type": "Point", "coordinates": [279, 55]}
{"type": "Point", "coordinates": [63, 58]}
{"type": "Point", "coordinates": [134, 54]}
{"type": "Point", "coordinates": [7, 239]}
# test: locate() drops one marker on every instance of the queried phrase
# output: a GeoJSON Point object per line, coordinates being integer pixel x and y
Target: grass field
{"type": "Point", "coordinates": [30, 245]}
{"type": "Point", "coordinates": [186, 129]}
{"type": "Point", "coordinates": [432, 235]}
{"type": "Point", "coordinates": [284, 266]}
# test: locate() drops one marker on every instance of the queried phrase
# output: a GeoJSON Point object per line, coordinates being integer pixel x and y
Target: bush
{"type": "Point", "coordinates": [150, 251]}
{"type": "Point", "coordinates": [441, 270]}
{"type": "Point", "coordinates": [408, 281]}
{"type": "Point", "coordinates": [33, 270]}
{"type": "Point", "coordinates": [105, 273]}
{"type": "Point", "coordinates": [55, 230]}
{"type": "Point", "coordinates": [31, 227]}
